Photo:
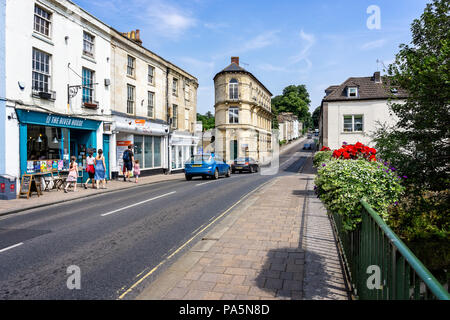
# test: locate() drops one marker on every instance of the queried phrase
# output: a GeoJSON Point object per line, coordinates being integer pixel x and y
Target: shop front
{"type": "Point", "coordinates": [182, 147]}
{"type": "Point", "coordinates": [149, 141]}
{"type": "Point", "coordinates": [48, 141]}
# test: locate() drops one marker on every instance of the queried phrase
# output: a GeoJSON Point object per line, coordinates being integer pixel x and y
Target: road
{"type": "Point", "coordinates": [116, 237]}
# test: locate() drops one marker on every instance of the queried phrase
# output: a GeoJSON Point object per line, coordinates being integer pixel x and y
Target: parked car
{"type": "Point", "coordinates": [309, 135]}
{"type": "Point", "coordinates": [245, 164]}
{"type": "Point", "coordinates": [206, 165]}
{"type": "Point", "coordinates": [307, 146]}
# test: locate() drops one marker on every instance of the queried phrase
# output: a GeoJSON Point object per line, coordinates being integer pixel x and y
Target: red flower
{"type": "Point", "coordinates": [325, 149]}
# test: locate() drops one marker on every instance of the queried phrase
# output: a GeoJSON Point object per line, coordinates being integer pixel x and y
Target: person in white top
{"type": "Point", "coordinates": [90, 169]}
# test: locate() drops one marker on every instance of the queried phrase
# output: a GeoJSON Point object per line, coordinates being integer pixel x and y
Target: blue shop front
{"type": "Point", "coordinates": [47, 141]}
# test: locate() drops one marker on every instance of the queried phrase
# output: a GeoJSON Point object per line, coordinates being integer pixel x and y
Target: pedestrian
{"type": "Point", "coordinates": [128, 161]}
{"type": "Point", "coordinates": [73, 174]}
{"type": "Point", "coordinates": [90, 169]}
{"type": "Point", "coordinates": [136, 171]}
{"type": "Point", "coordinates": [100, 169]}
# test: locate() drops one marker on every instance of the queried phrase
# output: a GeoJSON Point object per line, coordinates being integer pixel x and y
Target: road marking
{"type": "Point", "coordinates": [187, 242]}
{"type": "Point", "coordinates": [10, 247]}
{"type": "Point", "coordinates": [137, 204]}
{"type": "Point", "coordinates": [200, 184]}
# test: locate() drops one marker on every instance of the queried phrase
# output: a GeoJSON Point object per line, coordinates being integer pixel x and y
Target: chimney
{"type": "Point", "coordinates": [134, 36]}
{"type": "Point", "coordinates": [235, 60]}
{"type": "Point", "coordinates": [377, 77]}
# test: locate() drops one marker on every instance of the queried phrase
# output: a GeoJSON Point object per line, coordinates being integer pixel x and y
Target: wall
{"type": "Point", "coordinates": [372, 111]}
{"type": "Point", "coordinates": [2, 87]}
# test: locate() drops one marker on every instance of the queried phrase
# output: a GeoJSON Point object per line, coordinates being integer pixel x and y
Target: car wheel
{"type": "Point", "coordinates": [216, 174]}
{"type": "Point", "coordinates": [188, 178]}
{"type": "Point", "coordinates": [204, 177]}
{"type": "Point", "coordinates": [228, 173]}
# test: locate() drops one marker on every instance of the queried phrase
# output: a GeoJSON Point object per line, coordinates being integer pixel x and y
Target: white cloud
{"type": "Point", "coordinates": [168, 20]}
{"type": "Point", "coordinates": [308, 41]}
{"type": "Point", "coordinates": [373, 44]}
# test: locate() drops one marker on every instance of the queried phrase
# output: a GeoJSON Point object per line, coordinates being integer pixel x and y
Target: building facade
{"type": "Point", "coordinates": [351, 111]}
{"type": "Point", "coordinates": [289, 126]}
{"type": "Point", "coordinates": [243, 115]}
{"type": "Point", "coordinates": [56, 90]}
{"type": "Point", "coordinates": [70, 84]}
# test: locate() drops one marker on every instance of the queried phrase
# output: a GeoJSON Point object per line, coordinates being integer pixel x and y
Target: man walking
{"type": "Point", "coordinates": [128, 160]}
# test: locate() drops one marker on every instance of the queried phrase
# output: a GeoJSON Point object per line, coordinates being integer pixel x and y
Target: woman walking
{"type": "Point", "coordinates": [73, 174]}
{"type": "Point", "coordinates": [100, 168]}
{"type": "Point", "coordinates": [90, 169]}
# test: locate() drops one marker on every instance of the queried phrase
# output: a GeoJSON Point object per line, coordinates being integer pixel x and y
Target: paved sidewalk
{"type": "Point", "coordinates": [277, 244]}
{"type": "Point", "coordinates": [55, 196]}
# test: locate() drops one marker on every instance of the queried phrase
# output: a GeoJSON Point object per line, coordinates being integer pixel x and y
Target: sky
{"type": "Point", "coordinates": [285, 42]}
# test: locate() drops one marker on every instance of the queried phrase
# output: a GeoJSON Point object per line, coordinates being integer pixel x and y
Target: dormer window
{"type": "Point", "coordinates": [352, 92]}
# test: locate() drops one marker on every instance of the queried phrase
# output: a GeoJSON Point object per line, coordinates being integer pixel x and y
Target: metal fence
{"type": "Point", "coordinates": [380, 266]}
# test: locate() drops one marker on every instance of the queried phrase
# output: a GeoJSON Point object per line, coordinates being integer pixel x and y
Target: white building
{"type": "Point", "coordinates": [350, 111]}
{"type": "Point", "coordinates": [57, 70]}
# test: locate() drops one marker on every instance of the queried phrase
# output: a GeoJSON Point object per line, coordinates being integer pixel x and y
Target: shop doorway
{"type": "Point", "coordinates": [81, 141]}
{"type": "Point", "coordinates": [106, 153]}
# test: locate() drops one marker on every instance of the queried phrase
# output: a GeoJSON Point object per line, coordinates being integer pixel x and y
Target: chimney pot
{"type": "Point", "coordinates": [235, 60]}
{"type": "Point", "coordinates": [377, 77]}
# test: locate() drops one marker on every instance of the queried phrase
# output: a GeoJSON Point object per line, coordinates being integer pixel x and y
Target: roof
{"type": "Point", "coordinates": [233, 67]}
{"type": "Point", "coordinates": [368, 89]}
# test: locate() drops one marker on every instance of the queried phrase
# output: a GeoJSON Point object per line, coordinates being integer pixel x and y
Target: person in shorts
{"type": "Point", "coordinates": [128, 161]}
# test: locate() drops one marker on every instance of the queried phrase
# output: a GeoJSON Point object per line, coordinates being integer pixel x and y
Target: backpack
{"type": "Point", "coordinates": [126, 156]}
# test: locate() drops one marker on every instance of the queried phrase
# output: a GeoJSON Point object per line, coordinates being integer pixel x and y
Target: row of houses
{"type": "Point", "coordinates": [290, 128]}
{"type": "Point", "coordinates": [69, 83]}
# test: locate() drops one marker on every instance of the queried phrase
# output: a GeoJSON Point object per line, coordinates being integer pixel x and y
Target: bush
{"type": "Point", "coordinates": [282, 142]}
{"type": "Point", "coordinates": [322, 157]}
{"type": "Point", "coordinates": [341, 184]}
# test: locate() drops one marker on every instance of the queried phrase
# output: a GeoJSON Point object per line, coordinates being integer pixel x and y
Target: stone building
{"type": "Point", "coordinates": [243, 115]}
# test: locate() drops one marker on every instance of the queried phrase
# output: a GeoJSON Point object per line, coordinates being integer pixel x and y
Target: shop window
{"type": "Point", "coordinates": [138, 149]}
{"type": "Point", "coordinates": [157, 151]}
{"type": "Point", "coordinates": [148, 147]}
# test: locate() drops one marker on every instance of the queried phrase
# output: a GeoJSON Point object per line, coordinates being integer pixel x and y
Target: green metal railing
{"type": "Point", "coordinates": [380, 266]}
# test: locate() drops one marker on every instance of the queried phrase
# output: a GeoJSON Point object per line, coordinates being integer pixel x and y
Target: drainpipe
{"type": "Point", "coordinates": [169, 168]}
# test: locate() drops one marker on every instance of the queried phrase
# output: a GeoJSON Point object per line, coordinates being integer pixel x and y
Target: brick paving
{"type": "Point", "coordinates": [277, 244]}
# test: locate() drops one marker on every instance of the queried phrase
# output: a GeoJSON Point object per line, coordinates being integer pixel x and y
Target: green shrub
{"type": "Point", "coordinates": [322, 157]}
{"type": "Point", "coordinates": [282, 142]}
{"type": "Point", "coordinates": [341, 184]}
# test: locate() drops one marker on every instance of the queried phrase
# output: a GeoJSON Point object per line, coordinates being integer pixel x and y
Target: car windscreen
{"type": "Point", "coordinates": [200, 158]}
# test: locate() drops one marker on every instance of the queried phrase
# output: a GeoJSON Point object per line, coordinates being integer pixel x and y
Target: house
{"type": "Point", "coordinates": [243, 115]}
{"type": "Point", "coordinates": [56, 93]}
{"type": "Point", "coordinates": [289, 126]}
{"type": "Point", "coordinates": [350, 111]}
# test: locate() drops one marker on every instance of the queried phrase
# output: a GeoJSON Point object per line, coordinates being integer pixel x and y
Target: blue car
{"type": "Point", "coordinates": [206, 165]}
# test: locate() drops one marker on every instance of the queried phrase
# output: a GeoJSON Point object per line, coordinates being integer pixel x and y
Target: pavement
{"type": "Point", "coordinates": [276, 244]}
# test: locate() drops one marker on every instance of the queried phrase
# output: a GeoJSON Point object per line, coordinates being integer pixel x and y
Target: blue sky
{"type": "Point", "coordinates": [316, 43]}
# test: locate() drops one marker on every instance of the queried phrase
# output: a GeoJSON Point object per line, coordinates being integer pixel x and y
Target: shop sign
{"type": "Point", "coordinates": [63, 121]}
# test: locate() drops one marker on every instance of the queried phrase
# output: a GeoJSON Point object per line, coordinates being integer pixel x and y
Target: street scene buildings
{"type": "Point", "coordinates": [243, 114]}
{"type": "Point", "coordinates": [146, 155]}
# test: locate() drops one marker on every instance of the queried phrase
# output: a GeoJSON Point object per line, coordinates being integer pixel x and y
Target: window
{"type": "Point", "coordinates": [186, 119]}
{"type": "Point", "coordinates": [88, 85]}
{"type": "Point", "coordinates": [353, 123]}
{"type": "Point", "coordinates": [352, 92]}
{"type": "Point", "coordinates": [234, 89]}
{"type": "Point", "coordinates": [175, 116]}
{"type": "Point", "coordinates": [88, 44]}
{"type": "Point", "coordinates": [151, 104]}
{"type": "Point", "coordinates": [151, 74]}
{"type": "Point", "coordinates": [42, 21]}
{"type": "Point", "coordinates": [175, 87]}
{"type": "Point", "coordinates": [187, 93]}
{"type": "Point", "coordinates": [233, 115]}
{"type": "Point", "coordinates": [130, 99]}
{"type": "Point", "coordinates": [41, 71]}
{"type": "Point", "coordinates": [131, 66]}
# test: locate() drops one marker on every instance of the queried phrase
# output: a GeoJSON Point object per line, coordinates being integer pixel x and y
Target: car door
{"type": "Point", "coordinates": [220, 165]}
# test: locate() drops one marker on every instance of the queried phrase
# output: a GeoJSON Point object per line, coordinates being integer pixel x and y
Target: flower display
{"type": "Point", "coordinates": [355, 151]}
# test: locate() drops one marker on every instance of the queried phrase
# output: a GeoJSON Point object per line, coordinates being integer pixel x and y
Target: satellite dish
{"type": "Point", "coordinates": [21, 85]}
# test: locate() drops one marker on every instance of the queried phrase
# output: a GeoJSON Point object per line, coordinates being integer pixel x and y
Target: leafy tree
{"type": "Point", "coordinates": [315, 118]}
{"type": "Point", "coordinates": [419, 145]}
{"type": "Point", "coordinates": [294, 99]}
{"type": "Point", "coordinates": [207, 120]}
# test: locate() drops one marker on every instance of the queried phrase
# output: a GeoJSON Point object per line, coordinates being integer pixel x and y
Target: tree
{"type": "Point", "coordinates": [315, 118]}
{"type": "Point", "coordinates": [294, 99]}
{"type": "Point", "coordinates": [208, 120]}
{"type": "Point", "coordinates": [419, 144]}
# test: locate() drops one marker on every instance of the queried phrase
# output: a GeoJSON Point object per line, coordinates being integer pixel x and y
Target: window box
{"type": "Point", "coordinates": [90, 105]}
{"type": "Point", "coordinates": [45, 95]}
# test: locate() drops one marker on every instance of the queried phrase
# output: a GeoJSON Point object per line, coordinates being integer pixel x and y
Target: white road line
{"type": "Point", "coordinates": [10, 247]}
{"type": "Point", "coordinates": [200, 184]}
{"type": "Point", "coordinates": [137, 204]}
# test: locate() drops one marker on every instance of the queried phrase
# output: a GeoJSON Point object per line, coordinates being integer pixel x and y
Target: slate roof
{"type": "Point", "coordinates": [368, 89]}
{"type": "Point", "coordinates": [233, 67]}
